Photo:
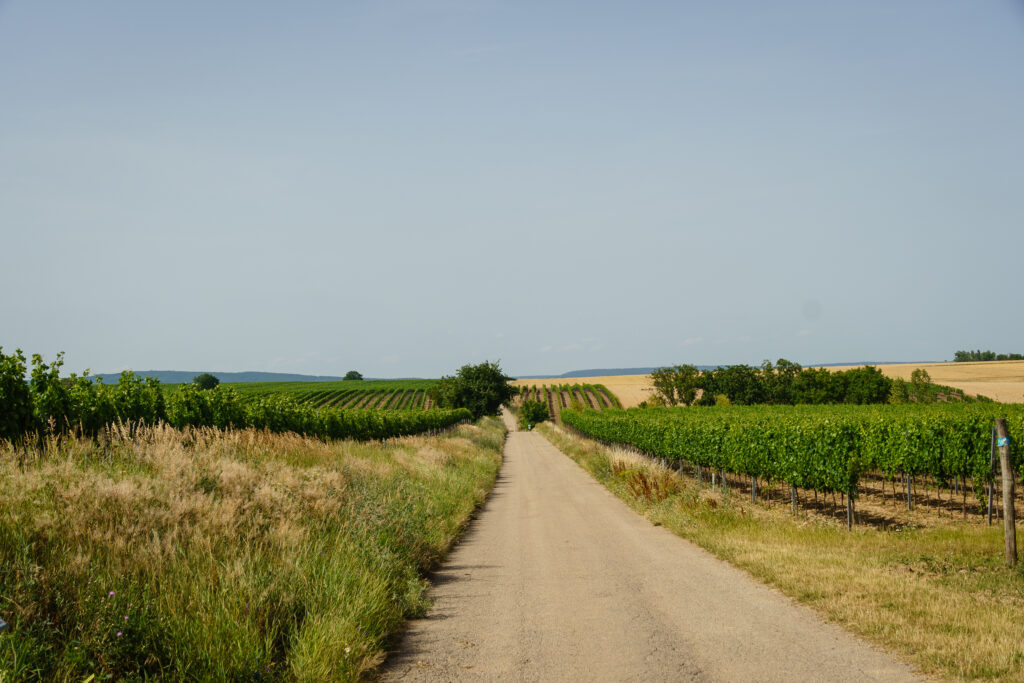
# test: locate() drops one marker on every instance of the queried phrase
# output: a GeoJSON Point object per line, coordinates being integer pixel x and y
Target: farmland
{"type": "Point", "coordinates": [559, 397]}
{"type": "Point", "coordinates": [410, 394]}
{"type": "Point", "coordinates": [52, 405]}
{"type": "Point", "coordinates": [826, 449]}
{"type": "Point", "coordinates": [999, 380]}
{"type": "Point", "coordinates": [628, 390]}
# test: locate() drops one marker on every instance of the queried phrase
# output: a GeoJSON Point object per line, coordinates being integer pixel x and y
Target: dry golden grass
{"type": "Point", "coordinates": [211, 555]}
{"type": "Point", "coordinates": [999, 380]}
{"type": "Point", "coordinates": [938, 597]}
{"type": "Point", "coordinates": [631, 390]}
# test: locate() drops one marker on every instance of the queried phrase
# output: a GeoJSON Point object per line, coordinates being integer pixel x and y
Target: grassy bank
{"type": "Point", "coordinates": [200, 554]}
{"type": "Point", "coordinates": [938, 596]}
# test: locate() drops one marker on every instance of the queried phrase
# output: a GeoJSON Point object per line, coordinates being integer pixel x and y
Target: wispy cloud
{"type": "Point", "coordinates": [690, 341]}
{"type": "Point", "coordinates": [803, 333]}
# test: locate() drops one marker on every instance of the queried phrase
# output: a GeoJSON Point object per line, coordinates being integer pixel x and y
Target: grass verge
{"type": "Point", "coordinates": [200, 554]}
{"type": "Point", "coordinates": [939, 598]}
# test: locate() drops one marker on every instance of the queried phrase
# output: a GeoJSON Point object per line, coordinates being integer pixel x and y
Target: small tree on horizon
{"type": "Point", "coordinates": [353, 374]}
{"type": "Point", "coordinates": [206, 381]}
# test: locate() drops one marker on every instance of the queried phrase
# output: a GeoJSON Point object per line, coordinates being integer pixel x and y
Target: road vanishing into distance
{"type": "Point", "coordinates": [559, 580]}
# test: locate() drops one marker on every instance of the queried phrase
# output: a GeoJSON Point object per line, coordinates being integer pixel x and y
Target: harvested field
{"type": "Point", "coordinates": [999, 380]}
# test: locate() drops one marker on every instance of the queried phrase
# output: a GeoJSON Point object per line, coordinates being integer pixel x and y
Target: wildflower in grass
{"type": "Point", "coordinates": [110, 594]}
{"type": "Point", "coordinates": [118, 634]}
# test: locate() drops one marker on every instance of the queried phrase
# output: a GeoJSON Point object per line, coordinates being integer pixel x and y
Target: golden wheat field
{"type": "Point", "coordinates": [999, 380]}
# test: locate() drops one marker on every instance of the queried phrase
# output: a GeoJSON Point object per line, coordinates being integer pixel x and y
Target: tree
{"type": "Point", "coordinates": [920, 383]}
{"type": "Point", "coordinates": [687, 381]}
{"type": "Point", "coordinates": [15, 396]}
{"type": "Point", "coordinates": [866, 385]}
{"type": "Point", "coordinates": [482, 389]}
{"type": "Point", "coordinates": [532, 412]}
{"type": "Point", "coordinates": [205, 381]}
{"type": "Point", "coordinates": [819, 386]}
{"type": "Point", "coordinates": [353, 374]}
{"type": "Point", "coordinates": [677, 384]}
{"type": "Point", "coordinates": [743, 384]}
{"type": "Point", "coordinates": [780, 381]}
{"type": "Point", "coordinates": [664, 385]}
{"type": "Point", "coordinates": [899, 394]}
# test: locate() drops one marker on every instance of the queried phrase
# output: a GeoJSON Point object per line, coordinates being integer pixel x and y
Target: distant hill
{"type": "Point", "coordinates": [608, 372]}
{"type": "Point", "coordinates": [604, 372]}
{"type": "Point", "coordinates": [184, 376]}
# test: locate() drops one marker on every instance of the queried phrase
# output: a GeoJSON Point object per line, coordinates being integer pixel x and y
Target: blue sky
{"type": "Point", "coordinates": [403, 187]}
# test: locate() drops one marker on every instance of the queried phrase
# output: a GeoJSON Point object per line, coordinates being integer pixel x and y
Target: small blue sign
{"type": "Point", "coordinates": [1003, 441]}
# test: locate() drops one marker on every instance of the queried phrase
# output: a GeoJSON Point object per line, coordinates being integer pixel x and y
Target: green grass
{"type": "Point", "coordinates": [226, 555]}
{"type": "Point", "coordinates": [939, 597]}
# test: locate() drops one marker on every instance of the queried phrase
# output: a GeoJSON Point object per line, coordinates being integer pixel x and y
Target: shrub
{"type": "Point", "coordinates": [482, 389]}
{"type": "Point", "coordinates": [15, 397]}
{"type": "Point", "coordinates": [532, 412]}
{"type": "Point", "coordinates": [206, 381]}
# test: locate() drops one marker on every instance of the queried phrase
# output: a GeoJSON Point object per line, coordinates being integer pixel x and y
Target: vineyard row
{"type": "Point", "coordinates": [820, 448]}
{"type": "Point", "coordinates": [559, 397]}
{"type": "Point", "coordinates": [50, 404]}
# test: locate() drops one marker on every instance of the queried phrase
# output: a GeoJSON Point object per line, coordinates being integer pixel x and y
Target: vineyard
{"type": "Point", "coordinates": [846, 450]}
{"type": "Point", "coordinates": [408, 394]}
{"type": "Point", "coordinates": [47, 404]}
{"type": "Point", "coordinates": [559, 397]}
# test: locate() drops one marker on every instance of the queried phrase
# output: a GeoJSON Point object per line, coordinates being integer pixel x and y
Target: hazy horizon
{"type": "Point", "coordinates": [404, 187]}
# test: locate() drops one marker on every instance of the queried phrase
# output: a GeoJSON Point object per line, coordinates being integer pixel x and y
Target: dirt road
{"type": "Point", "coordinates": [558, 580]}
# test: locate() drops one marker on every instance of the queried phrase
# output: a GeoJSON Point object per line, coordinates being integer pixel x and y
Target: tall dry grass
{"type": "Point", "coordinates": [204, 554]}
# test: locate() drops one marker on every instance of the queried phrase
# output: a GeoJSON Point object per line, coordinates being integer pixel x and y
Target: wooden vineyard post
{"type": "Point", "coordinates": [792, 497]}
{"type": "Point", "coordinates": [849, 508]}
{"type": "Point", "coordinates": [1009, 518]}
{"type": "Point", "coordinates": [992, 480]}
{"type": "Point", "coordinates": [753, 489]}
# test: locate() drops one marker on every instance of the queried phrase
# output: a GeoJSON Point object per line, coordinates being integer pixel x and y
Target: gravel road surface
{"type": "Point", "coordinates": [558, 580]}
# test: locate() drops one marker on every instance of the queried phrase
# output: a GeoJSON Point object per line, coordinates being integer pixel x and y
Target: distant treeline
{"type": "Point", "coordinates": [787, 383]}
{"type": "Point", "coordinates": [967, 356]}
{"type": "Point", "coordinates": [42, 402]}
